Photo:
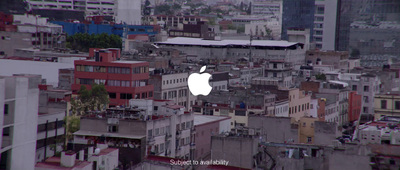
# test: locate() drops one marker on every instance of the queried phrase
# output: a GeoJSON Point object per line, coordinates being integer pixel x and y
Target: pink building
{"type": "Point", "coordinates": [206, 126]}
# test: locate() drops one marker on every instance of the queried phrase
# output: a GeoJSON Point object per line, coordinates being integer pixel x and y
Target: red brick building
{"type": "Point", "coordinates": [124, 80]}
{"type": "Point", "coordinates": [354, 106]}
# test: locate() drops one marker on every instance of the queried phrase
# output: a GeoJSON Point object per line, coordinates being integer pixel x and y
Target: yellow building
{"type": "Point", "coordinates": [299, 103]}
{"type": "Point", "coordinates": [387, 105]}
{"type": "Point", "coordinates": [306, 129]}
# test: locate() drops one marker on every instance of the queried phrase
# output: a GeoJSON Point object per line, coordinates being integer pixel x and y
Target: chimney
{"type": "Point", "coordinates": [90, 151]}
{"type": "Point", "coordinates": [82, 155]}
{"type": "Point", "coordinates": [68, 158]}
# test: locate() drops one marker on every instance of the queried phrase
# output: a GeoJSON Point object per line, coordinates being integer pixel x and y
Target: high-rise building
{"type": "Point", "coordinates": [19, 101]}
{"type": "Point", "coordinates": [297, 14]}
{"type": "Point", "coordinates": [325, 19]}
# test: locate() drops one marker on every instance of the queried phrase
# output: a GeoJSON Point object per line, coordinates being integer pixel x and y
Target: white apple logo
{"type": "Point", "coordinates": [198, 83]}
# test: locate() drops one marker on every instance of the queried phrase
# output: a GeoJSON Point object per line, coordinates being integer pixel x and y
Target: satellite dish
{"type": "Point", "coordinates": [97, 151]}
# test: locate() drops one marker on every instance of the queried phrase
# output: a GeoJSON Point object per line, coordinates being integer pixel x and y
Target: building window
{"type": "Point", "coordinates": [397, 105]}
{"type": "Point", "coordinates": [112, 95]}
{"type": "Point", "coordinates": [150, 133]}
{"type": "Point", "coordinates": [354, 88]}
{"type": "Point", "coordinates": [365, 109]}
{"type": "Point", "coordinates": [5, 109]}
{"type": "Point", "coordinates": [366, 88]}
{"type": "Point", "coordinates": [113, 128]}
{"type": "Point", "coordinates": [366, 100]}
{"type": "Point", "coordinates": [320, 10]}
{"type": "Point", "coordinates": [309, 139]}
{"type": "Point", "coordinates": [383, 104]}
{"type": "Point", "coordinates": [304, 124]}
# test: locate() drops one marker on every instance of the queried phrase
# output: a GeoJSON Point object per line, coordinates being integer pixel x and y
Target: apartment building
{"type": "Point", "coordinates": [147, 127]}
{"type": "Point", "coordinates": [19, 101]}
{"type": "Point", "coordinates": [30, 31]}
{"type": "Point", "coordinates": [299, 103]}
{"type": "Point", "coordinates": [386, 105]}
{"type": "Point", "coordinates": [124, 80]}
{"type": "Point", "coordinates": [172, 86]}
{"type": "Point", "coordinates": [124, 11]}
{"type": "Point", "coordinates": [207, 126]}
{"type": "Point", "coordinates": [172, 21]}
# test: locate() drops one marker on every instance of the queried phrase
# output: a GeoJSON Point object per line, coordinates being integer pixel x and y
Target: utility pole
{"type": "Point", "coordinates": [251, 45]}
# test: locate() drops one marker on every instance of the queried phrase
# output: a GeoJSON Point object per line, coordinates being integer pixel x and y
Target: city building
{"type": "Point", "coordinates": [198, 30]}
{"type": "Point", "coordinates": [325, 24]}
{"type": "Point", "coordinates": [100, 157]}
{"type": "Point", "coordinates": [48, 70]}
{"type": "Point", "coordinates": [297, 14]}
{"type": "Point", "coordinates": [144, 128]}
{"type": "Point", "coordinates": [382, 131]}
{"type": "Point", "coordinates": [290, 52]}
{"type": "Point", "coordinates": [355, 101]}
{"type": "Point", "coordinates": [207, 126]}
{"type": "Point", "coordinates": [172, 21]}
{"type": "Point", "coordinates": [123, 11]}
{"type": "Point", "coordinates": [367, 85]}
{"type": "Point", "coordinates": [239, 151]}
{"type": "Point", "coordinates": [172, 86]}
{"type": "Point", "coordinates": [19, 101]}
{"type": "Point", "coordinates": [238, 105]}
{"type": "Point", "coordinates": [53, 107]}
{"type": "Point", "coordinates": [123, 80]}
{"type": "Point", "coordinates": [219, 80]}
{"type": "Point", "coordinates": [72, 28]}
{"type": "Point", "coordinates": [301, 35]}
{"type": "Point", "coordinates": [288, 130]}
{"type": "Point", "coordinates": [65, 78]}
{"type": "Point", "coordinates": [306, 129]}
{"type": "Point", "coordinates": [299, 103]}
{"type": "Point", "coordinates": [386, 105]}
{"type": "Point", "coordinates": [278, 71]}
{"type": "Point", "coordinates": [30, 31]}
{"type": "Point", "coordinates": [270, 30]}
{"type": "Point", "coordinates": [339, 59]}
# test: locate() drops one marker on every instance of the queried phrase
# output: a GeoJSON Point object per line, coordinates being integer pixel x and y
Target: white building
{"type": "Point", "coordinates": [301, 36]}
{"type": "Point", "coordinates": [48, 70]}
{"type": "Point", "coordinates": [262, 28]}
{"type": "Point", "coordinates": [128, 11]}
{"type": "Point", "coordinates": [173, 87]}
{"type": "Point", "coordinates": [19, 98]}
{"type": "Point", "coordinates": [282, 108]}
{"type": "Point", "coordinates": [325, 24]}
{"type": "Point", "coordinates": [151, 127]}
{"type": "Point", "coordinates": [291, 52]}
{"type": "Point", "coordinates": [366, 85]}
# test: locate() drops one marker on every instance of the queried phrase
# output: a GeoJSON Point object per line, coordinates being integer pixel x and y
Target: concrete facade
{"type": "Point", "coordinates": [238, 151]}
{"type": "Point", "coordinates": [20, 101]}
{"type": "Point", "coordinates": [268, 125]}
{"type": "Point", "coordinates": [325, 24]}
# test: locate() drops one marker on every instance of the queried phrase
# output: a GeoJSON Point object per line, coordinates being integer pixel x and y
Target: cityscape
{"type": "Point", "coordinates": [200, 84]}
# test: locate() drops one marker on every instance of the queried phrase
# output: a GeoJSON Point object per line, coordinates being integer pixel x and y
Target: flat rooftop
{"type": "Point", "coordinates": [203, 119]}
{"type": "Point", "coordinates": [106, 134]}
{"type": "Point", "coordinates": [201, 42]}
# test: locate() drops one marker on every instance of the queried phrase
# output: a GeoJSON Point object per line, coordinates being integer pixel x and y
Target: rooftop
{"type": "Point", "coordinates": [106, 134]}
{"type": "Point", "coordinates": [201, 42]}
{"type": "Point", "coordinates": [54, 163]}
{"type": "Point", "coordinates": [203, 119]}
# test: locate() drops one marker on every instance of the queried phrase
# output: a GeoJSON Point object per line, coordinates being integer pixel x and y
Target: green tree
{"type": "Point", "coordinates": [71, 126]}
{"type": "Point", "coordinates": [240, 29]}
{"type": "Point", "coordinates": [83, 42]}
{"type": "Point", "coordinates": [162, 9]}
{"type": "Point", "coordinates": [146, 8]}
{"type": "Point", "coordinates": [320, 77]}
